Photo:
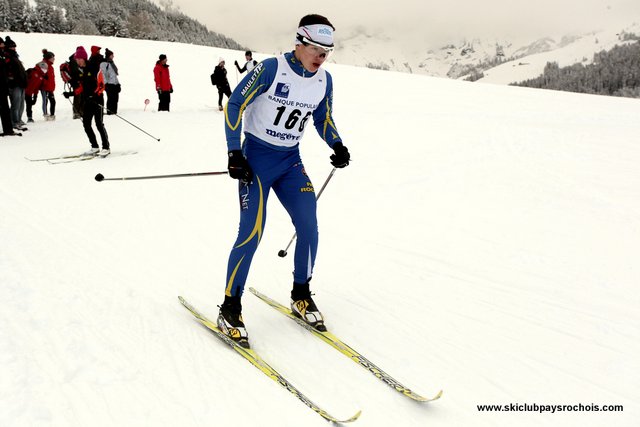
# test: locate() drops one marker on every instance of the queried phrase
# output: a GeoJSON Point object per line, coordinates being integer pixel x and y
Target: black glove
{"type": "Point", "coordinates": [239, 167]}
{"type": "Point", "coordinates": [341, 157]}
{"type": "Point", "coordinates": [235, 62]}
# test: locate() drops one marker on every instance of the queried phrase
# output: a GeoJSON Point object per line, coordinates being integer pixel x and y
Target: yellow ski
{"type": "Point", "coordinates": [263, 366]}
{"type": "Point", "coordinates": [343, 348]}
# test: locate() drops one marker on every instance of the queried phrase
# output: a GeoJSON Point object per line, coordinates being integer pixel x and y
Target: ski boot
{"type": "Point", "coordinates": [303, 306]}
{"type": "Point", "coordinates": [230, 321]}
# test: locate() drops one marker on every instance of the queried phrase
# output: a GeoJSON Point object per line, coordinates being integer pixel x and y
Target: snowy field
{"type": "Point", "coordinates": [484, 241]}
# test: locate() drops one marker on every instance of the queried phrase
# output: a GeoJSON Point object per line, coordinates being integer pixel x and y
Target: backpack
{"type": "Point", "coordinates": [65, 72]}
{"type": "Point", "coordinates": [35, 78]}
{"type": "Point", "coordinates": [214, 79]}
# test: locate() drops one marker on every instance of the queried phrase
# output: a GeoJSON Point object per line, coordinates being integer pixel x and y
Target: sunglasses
{"type": "Point", "coordinates": [314, 47]}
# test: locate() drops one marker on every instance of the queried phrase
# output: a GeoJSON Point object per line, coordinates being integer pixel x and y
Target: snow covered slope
{"type": "Point", "coordinates": [456, 58]}
{"type": "Point", "coordinates": [483, 241]}
{"type": "Point", "coordinates": [579, 50]}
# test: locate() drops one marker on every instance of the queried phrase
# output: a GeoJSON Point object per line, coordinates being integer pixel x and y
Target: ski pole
{"type": "Point", "coordinates": [122, 118]}
{"type": "Point", "coordinates": [100, 177]}
{"type": "Point", "coordinates": [283, 252]}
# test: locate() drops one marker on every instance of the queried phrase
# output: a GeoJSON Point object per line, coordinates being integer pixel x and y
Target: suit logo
{"type": "Point", "coordinates": [282, 90]}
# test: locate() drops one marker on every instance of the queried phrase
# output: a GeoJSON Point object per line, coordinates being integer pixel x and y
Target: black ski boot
{"type": "Point", "coordinates": [302, 306]}
{"type": "Point", "coordinates": [230, 321]}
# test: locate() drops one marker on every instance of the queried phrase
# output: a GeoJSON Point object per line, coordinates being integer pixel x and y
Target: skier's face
{"type": "Point", "coordinates": [311, 57]}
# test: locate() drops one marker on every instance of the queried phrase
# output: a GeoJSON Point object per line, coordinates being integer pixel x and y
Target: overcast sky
{"type": "Point", "coordinates": [257, 23]}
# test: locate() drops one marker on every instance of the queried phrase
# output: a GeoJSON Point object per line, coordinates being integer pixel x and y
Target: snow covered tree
{"type": "Point", "coordinates": [19, 16]}
{"type": "Point", "coordinates": [140, 25]}
{"type": "Point", "coordinates": [141, 19]}
{"type": "Point", "coordinates": [85, 26]}
{"type": "Point", "coordinates": [47, 18]}
{"type": "Point", "coordinates": [4, 15]}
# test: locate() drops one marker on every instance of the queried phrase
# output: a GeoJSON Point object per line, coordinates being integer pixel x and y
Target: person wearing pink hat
{"type": "Point", "coordinates": [74, 82]}
{"type": "Point", "coordinates": [90, 89]}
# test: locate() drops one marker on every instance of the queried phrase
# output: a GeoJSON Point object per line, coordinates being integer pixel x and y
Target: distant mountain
{"type": "Point", "coordinates": [489, 60]}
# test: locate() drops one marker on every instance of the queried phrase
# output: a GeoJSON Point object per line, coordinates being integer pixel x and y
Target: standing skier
{"type": "Point", "coordinates": [249, 65]}
{"type": "Point", "coordinates": [91, 89]}
{"type": "Point", "coordinates": [278, 99]}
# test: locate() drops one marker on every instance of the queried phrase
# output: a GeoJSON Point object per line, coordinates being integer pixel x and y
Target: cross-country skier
{"type": "Point", "coordinates": [249, 65]}
{"type": "Point", "coordinates": [278, 98]}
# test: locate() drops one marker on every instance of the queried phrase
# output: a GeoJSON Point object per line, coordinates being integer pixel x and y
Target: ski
{"type": "Point", "coordinates": [343, 348]}
{"type": "Point", "coordinates": [263, 366]}
{"type": "Point", "coordinates": [72, 156]}
{"type": "Point", "coordinates": [85, 157]}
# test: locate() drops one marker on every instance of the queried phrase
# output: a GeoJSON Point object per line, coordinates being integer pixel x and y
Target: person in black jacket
{"type": "Point", "coordinates": [5, 115]}
{"type": "Point", "coordinates": [17, 82]}
{"type": "Point", "coordinates": [222, 83]}
{"type": "Point", "coordinates": [91, 90]}
{"type": "Point", "coordinates": [74, 82]}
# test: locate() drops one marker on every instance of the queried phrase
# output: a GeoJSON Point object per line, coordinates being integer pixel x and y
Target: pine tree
{"type": "Point", "coordinates": [4, 15]}
{"type": "Point", "coordinates": [614, 72]}
{"type": "Point", "coordinates": [19, 16]}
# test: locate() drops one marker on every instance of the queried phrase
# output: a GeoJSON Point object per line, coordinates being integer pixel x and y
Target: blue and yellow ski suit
{"type": "Point", "coordinates": [277, 100]}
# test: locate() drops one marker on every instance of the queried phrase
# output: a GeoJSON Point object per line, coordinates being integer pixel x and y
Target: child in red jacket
{"type": "Point", "coordinates": [41, 78]}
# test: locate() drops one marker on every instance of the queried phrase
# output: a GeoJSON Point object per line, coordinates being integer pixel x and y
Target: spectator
{"type": "Point", "coordinates": [5, 113]}
{"type": "Point", "coordinates": [74, 82]}
{"type": "Point", "coordinates": [222, 83]}
{"type": "Point", "coordinates": [111, 82]}
{"type": "Point", "coordinates": [34, 84]}
{"type": "Point", "coordinates": [48, 85]}
{"type": "Point", "coordinates": [163, 83]}
{"type": "Point", "coordinates": [17, 82]}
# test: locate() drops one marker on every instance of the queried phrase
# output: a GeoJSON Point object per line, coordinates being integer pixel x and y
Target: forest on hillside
{"type": "Point", "coordinates": [137, 19]}
{"type": "Point", "coordinates": [615, 72]}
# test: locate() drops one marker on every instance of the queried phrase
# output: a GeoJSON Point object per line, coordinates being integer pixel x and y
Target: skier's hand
{"type": "Point", "coordinates": [341, 157]}
{"type": "Point", "coordinates": [239, 167]}
{"type": "Point", "coordinates": [159, 91]}
{"type": "Point", "coordinates": [235, 62]}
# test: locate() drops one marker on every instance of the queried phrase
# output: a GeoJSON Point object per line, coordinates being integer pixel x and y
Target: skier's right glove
{"type": "Point", "coordinates": [239, 167]}
{"type": "Point", "coordinates": [341, 157]}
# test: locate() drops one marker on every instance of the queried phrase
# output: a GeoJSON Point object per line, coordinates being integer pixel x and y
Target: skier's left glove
{"type": "Point", "coordinates": [239, 167]}
{"type": "Point", "coordinates": [341, 157]}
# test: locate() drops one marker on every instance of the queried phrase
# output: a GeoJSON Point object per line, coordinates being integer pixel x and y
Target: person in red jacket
{"type": "Point", "coordinates": [163, 83]}
{"type": "Point", "coordinates": [35, 77]}
{"type": "Point", "coordinates": [48, 85]}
